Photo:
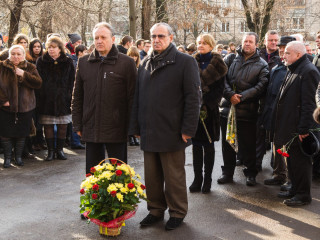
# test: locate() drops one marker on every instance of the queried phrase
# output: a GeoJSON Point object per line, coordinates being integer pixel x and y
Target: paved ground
{"type": "Point", "coordinates": [41, 199]}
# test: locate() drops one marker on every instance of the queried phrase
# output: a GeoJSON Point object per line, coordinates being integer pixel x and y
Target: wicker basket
{"type": "Point", "coordinates": [110, 231]}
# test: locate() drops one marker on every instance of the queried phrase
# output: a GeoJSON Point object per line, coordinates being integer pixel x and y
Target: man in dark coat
{"type": "Point", "coordinates": [277, 76]}
{"type": "Point", "coordinates": [271, 55]}
{"type": "Point", "coordinates": [246, 82]}
{"type": "Point", "coordinates": [103, 97]}
{"type": "Point", "coordinates": [165, 116]}
{"type": "Point", "coordinates": [295, 104]}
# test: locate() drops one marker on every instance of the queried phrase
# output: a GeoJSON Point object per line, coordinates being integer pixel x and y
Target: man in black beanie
{"type": "Point", "coordinates": [75, 40]}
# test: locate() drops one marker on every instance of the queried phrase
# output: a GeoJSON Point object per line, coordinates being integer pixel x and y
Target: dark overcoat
{"type": "Point", "coordinates": [167, 101]}
{"type": "Point", "coordinates": [54, 96]}
{"type": "Point", "coordinates": [295, 102]}
{"type": "Point", "coordinates": [212, 83]}
{"type": "Point", "coordinates": [103, 96]}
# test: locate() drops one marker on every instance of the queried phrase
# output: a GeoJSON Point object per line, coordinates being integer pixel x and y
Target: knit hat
{"type": "Point", "coordinates": [74, 37]}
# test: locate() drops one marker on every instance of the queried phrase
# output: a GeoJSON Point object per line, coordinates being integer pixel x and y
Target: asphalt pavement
{"type": "Point", "coordinates": [41, 201]}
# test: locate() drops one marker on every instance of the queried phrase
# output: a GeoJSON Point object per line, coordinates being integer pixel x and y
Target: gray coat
{"type": "Point", "coordinates": [167, 101]}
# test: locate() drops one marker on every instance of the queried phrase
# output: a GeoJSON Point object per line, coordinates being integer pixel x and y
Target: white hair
{"type": "Point", "coordinates": [166, 25]}
{"type": "Point", "coordinates": [297, 47]}
{"type": "Point", "coordinates": [298, 37]}
{"type": "Point", "coordinates": [17, 46]}
{"type": "Point", "coordinates": [106, 25]}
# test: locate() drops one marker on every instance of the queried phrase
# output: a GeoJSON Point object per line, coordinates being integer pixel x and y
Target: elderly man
{"type": "Point", "coordinates": [293, 115]}
{"type": "Point", "coordinates": [247, 79]}
{"type": "Point", "coordinates": [166, 124]}
{"type": "Point", "coordinates": [103, 97]}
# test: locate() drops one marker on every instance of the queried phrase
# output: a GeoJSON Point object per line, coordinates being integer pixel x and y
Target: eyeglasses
{"type": "Point", "coordinates": [160, 36]}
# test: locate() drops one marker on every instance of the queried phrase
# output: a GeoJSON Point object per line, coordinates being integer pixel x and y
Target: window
{"type": "Point", "coordinates": [297, 23]}
{"type": "Point", "coordinates": [225, 27]}
{"type": "Point", "coordinates": [243, 27]}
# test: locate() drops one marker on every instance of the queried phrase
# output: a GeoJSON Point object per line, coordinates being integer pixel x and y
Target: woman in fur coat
{"type": "Point", "coordinates": [212, 74]}
{"type": "Point", "coordinates": [54, 101]}
{"type": "Point", "coordinates": [18, 79]}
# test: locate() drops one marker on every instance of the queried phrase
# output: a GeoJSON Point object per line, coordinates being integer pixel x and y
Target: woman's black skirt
{"type": "Point", "coordinates": [15, 125]}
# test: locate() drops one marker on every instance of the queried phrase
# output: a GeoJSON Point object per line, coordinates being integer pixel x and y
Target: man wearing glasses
{"type": "Point", "coordinates": [165, 115]}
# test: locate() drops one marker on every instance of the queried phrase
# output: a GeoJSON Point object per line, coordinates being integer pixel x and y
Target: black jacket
{"type": "Point", "coordinates": [274, 58]}
{"type": "Point", "coordinates": [122, 49]}
{"type": "Point", "coordinates": [248, 78]}
{"type": "Point", "coordinates": [54, 96]}
{"type": "Point", "coordinates": [295, 102]}
{"type": "Point", "coordinates": [167, 101]}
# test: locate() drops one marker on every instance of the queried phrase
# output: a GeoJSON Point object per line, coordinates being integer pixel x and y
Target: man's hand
{"type": "Point", "coordinates": [79, 133]}
{"type": "Point", "coordinates": [235, 99]}
{"type": "Point", "coordinates": [6, 104]}
{"type": "Point", "coordinates": [301, 137]}
{"type": "Point", "coordinates": [185, 138]}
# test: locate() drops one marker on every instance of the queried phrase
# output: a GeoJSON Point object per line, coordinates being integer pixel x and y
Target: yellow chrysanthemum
{"type": "Point", "coordinates": [92, 179]}
{"type": "Point", "coordinates": [138, 176]}
{"type": "Point", "coordinates": [124, 190]}
{"type": "Point", "coordinates": [111, 188]}
{"type": "Point", "coordinates": [140, 191]}
{"type": "Point", "coordinates": [109, 167]}
{"type": "Point", "coordinates": [99, 167]}
{"type": "Point", "coordinates": [106, 174]}
{"type": "Point", "coordinates": [136, 182]}
{"type": "Point", "coordinates": [132, 190]}
{"type": "Point", "coordinates": [144, 195]}
{"type": "Point", "coordinates": [120, 197]}
{"type": "Point", "coordinates": [119, 185]}
{"type": "Point", "coordinates": [123, 168]}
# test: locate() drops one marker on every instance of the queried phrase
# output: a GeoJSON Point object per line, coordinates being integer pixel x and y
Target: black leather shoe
{"type": "Point", "coordinates": [196, 185]}
{"type": "Point", "coordinates": [251, 181]}
{"type": "Point", "coordinates": [238, 162]}
{"type": "Point", "coordinates": [293, 202]}
{"type": "Point", "coordinates": [150, 220]}
{"type": "Point", "coordinates": [80, 146]}
{"type": "Point", "coordinates": [173, 223]}
{"type": "Point", "coordinates": [7, 163]}
{"type": "Point", "coordinates": [225, 179]}
{"type": "Point", "coordinates": [274, 181]}
{"type": "Point", "coordinates": [131, 141]}
{"type": "Point", "coordinates": [136, 141]}
{"type": "Point", "coordinates": [286, 187]}
{"type": "Point", "coordinates": [60, 155]}
{"type": "Point", "coordinates": [206, 187]}
{"type": "Point", "coordinates": [285, 195]}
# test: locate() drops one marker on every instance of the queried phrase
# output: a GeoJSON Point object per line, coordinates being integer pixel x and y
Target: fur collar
{"type": "Point", "coordinates": [62, 58]}
{"type": "Point", "coordinates": [214, 71]}
{"type": "Point", "coordinates": [7, 63]}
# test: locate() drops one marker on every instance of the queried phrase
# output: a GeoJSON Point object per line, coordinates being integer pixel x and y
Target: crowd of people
{"type": "Point", "coordinates": [165, 98]}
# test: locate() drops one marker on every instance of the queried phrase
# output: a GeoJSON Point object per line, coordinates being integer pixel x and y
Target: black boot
{"type": "Point", "coordinates": [197, 168]}
{"type": "Point", "coordinates": [60, 153]}
{"type": "Point", "coordinates": [131, 140]}
{"type": "Point", "coordinates": [208, 167]}
{"type": "Point", "coordinates": [50, 145]}
{"type": "Point", "coordinates": [7, 152]}
{"type": "Point", "coordinates": [18, 149]}
{"type": "Point", "coordinates": [136, 141]}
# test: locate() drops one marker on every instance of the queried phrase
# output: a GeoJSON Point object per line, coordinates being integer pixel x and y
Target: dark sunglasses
{"type": "Point", "coordinates": [160, 36]}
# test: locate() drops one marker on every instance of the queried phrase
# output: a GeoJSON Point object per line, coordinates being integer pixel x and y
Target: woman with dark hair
{"type": "Point", "coordinates": [58, 74]}
{"type": "Point", "coordinates": [18, 79]}
{"type": "Point", "coordinates": [35, 50]}
{"type": "Point", "coordinates": [212, 74]}
{"type": "Point", "coordinates": [125, 43]}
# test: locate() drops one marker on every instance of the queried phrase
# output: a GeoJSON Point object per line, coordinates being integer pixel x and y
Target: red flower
{"type": "Point", "coordinates": [130, 185]}
{"type": "Point", "coordinates": [119, 164]}
{"type": "Point", "coordinates": [285, 154]}
{"type": "Point", "coordinates": [95, 187]}
{"type": "Point", "coordinates": [88, 174]}
{"type": "Point", "coordinates": [118, 172]}
{"type": "Point", "coordinates": [113, 161]}
{"type": "Point", "coordinates": [279, 151]}
{"type": "Point", "coordinates": [143, 187]}
{"type": "Point", "coordinates": [82, 191]}
{"type": "Point", "coordinates": [113, 193]}
{"type": "Point", "coordinates": [92, 169]}
{"type": "Point", "coordinates": [94, 196]}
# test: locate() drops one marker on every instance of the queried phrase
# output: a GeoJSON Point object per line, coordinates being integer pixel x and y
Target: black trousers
{"type": "Point", "coordinates": [95, 153]}
{"type": "Point", "coordinates": [260, 145]}
{"type": "Point", "coordinates": [300, 172]}
{"type": "Point", "coordinates": [247, 146]}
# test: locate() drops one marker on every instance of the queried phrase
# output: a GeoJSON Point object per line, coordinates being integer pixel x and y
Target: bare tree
{"type": "Point", "coordinates": [146, 18]}
{"type": "Point", "coordinates": [161, 11]}
{"type": "Point", "coordinates": [132, 18]}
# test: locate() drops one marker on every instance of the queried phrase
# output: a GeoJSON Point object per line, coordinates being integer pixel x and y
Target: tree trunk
{"type": "Point", "coordinates": [109, 11]}
{"type": "Point", "coordinates": [45, 21]}
{"type": "Point", "coordinates": [132, 19]}
{"type": "Point", "coordinates": [161, 11]}
{"type": "Point", "coordinates": [100, 14]}
{"type": "Point", "coordinates": [146, 19]}
{"type": "Point", "coordinates": [15, 16]}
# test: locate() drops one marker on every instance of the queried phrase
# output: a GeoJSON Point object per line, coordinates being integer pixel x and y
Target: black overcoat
{"type": "Point", "coordinates": [296, 101]}
{"type": "Point", "coordinates": [167, 101]}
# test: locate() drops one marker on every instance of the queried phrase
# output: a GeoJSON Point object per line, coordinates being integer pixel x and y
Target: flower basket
{"type": "Point", "coordinates": [110, 195]}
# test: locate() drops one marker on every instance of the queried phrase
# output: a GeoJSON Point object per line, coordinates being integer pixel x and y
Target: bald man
{"type": "Point", "coordinates": [293, 115]}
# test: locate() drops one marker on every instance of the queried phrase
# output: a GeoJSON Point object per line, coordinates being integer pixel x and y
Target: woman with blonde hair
{"type": "Point", "coordinates": [212, 74]}
{"type": "Point", "coordinates": [58, 74]}
{"type": "Point", "coordinates": [18, 79]}
{"type": "Point", "coordinates": [134, 53]}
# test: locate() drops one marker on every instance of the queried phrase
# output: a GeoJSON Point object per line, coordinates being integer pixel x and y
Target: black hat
{"type": "Point", "coordinates": [310, 145]}
{"type": "Point", "coordinates": [285, 40]}
{"type": "Point", "coordinates": [74, 37]}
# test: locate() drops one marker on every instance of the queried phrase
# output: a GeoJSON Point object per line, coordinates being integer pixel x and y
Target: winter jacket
{"type": "Point", "coordinates": [274, 58]}
{"type": "Point", "coordinates": [103, 96]}
{"type": "Point", "coordinates": [122, 49]}
{"type": "Point", "coordinates": [212, 84]}
{"type": "Point", "coordinates": [167, 101]}
{"type": "Point", "coordinates": [19, 91]}
{"type": "Point", "coordinates": [295, 101]}
{"type": "Point", "coordinates": [57, 84]}
{"type": "Point", "coordinates": [248, 78]}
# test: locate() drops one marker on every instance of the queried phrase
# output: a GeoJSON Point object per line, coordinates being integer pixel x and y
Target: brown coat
{"type": "Point", "coordinates": [103, 96]}
{"type": "Point", "coordinates": [18, 90]}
